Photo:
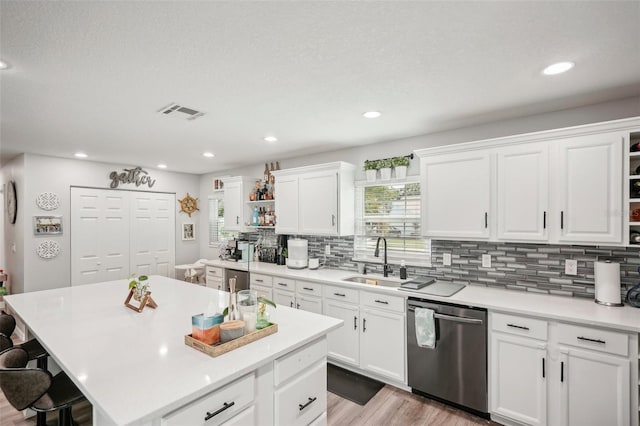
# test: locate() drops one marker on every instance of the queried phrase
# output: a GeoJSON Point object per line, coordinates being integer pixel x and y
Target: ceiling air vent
{"type": "Point", "coordinates": [181, 111]}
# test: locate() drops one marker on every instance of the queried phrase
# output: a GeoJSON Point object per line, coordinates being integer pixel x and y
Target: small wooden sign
{"type": "Point", "coordinates": [146, 301]}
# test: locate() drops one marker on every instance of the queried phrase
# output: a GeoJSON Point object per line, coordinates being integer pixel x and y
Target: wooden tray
{"type": "Point", "coordinates": [222, 348]}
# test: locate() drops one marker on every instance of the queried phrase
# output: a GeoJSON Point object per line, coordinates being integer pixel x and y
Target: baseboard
{"type": "Point", "coordinates": [385, 380]}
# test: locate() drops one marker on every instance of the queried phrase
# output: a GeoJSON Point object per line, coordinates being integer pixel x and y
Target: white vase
{"type": "Point", "coordinates": [371, 175]}
{"type": "Point", "coordinates": [385, 173]}
{"type": "Point", "coordinates": [401, 172]}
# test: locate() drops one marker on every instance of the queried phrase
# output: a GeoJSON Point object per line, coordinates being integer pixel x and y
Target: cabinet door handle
{"type": "Point", "coordinates": [543, 373]}
{"type": "Point", "coordinates": [339, 294]}
{"type": "Point", "coordinates": [307, 288]}
{"type": "Point", "coordinates": [486, 219]}
{"type": "Point", "coordinates": [562, 372]}
{"type": "Point", "coordinates": [355, 322]}
{"type": "Point", "coordinates": [544, 220]}
{"type": "Point", "coordinates": [283, 284]}
{"type": "Point", "coordinates": [291, 304]}
{"type": "Point", "coordinates": [333, 220]}
{"type": "Point", "coordinates": [521, 327]}
{"type": "Point", "coordinates": [602, 342]}
{"type": "Point", "coordinates": [384, 302]}
{"type": "Point", "coordinates": [562, 220]}
{"type": "Point", "coordinates": [237, 220]}
{"type": "Point", "coordinates": [309, 402]}
{"type": "Point", "coordinates": [297, 305]}
{"type": "Point", "coordinates": [364, 325]}
{"type": "Point", "coordinates": [225, 406]}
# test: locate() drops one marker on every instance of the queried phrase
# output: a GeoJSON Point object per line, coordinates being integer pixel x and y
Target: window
{"type": "Point", "coordinates": [216, 223]}
{"type": "Point", "coordinates": [391, 211]}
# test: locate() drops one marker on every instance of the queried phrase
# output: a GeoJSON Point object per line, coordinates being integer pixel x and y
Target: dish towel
{"type": "Point", "coordinates": [425, 328]}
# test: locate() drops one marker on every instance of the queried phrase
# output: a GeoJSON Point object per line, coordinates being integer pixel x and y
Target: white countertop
{"type": "Point", "coordinates": [562, 308]}
{"type": "Point", "coordinates": [135, 366]}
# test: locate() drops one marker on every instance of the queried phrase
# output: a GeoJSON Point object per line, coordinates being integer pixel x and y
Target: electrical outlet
{"type": "Point", "coordinates": [571, 267]}
{"type": "Point", "coordinates": [486, 261]}
{"type": "Point", "coordinates": [327, 250]}
{"type": "Point", "coordinates": [446, 259]}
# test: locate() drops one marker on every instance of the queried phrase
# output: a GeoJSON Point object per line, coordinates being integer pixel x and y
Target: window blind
{"type": "Point", "coordinates": [391, 211]}
{"type": "Point", "coordinates": [216, 222]}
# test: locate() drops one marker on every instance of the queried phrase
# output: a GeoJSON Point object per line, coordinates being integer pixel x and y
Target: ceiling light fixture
{"type": "Point", "coordinates": [371, 114]}
{"type": "Point", "coordinates": [3, 65]}
{"type": "Point", "coordinates": [162, 166]}
{"type": "Point", "coordinates": [80, 155]}
{"type": "Point", "coordinates": [209, 154]}
{"type": "Point", "coordinates": [558, 68]}
{"type": "Point", "coordinates": [271, 139]}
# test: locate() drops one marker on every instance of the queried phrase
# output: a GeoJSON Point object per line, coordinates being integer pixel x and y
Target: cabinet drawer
{"type": "Point", "coordinates": [284, 283]}
{"type": "Point", "coordinates": [306, 287]}
{"type": "Point", "coordinates": [612, 342]}
{"type": "Point", "coordinates": [216, 283]}
{"type": "Point", "coordinates": [301, 401]}
{"type": "Point", "coordinates": [382, 301]}
{"type": "Point", "coordinates": [297, 362]}
{"type": "Point", "coordinates": [247, 417]}
{"type": "Point", "coordinates": [214, 272]}
{"type": "Point", "coordinates": [521, 326]}
{"type": "Point", "coordinates": [236, 396]}
{"type": "Point", "coordinates": [261, 280]}
{"type": "Point", "coordinates": [263, 291]}
{"type": "Point", "coordinates": [320, 421]}
{"type": "Point", "coordinates": [341, 293]}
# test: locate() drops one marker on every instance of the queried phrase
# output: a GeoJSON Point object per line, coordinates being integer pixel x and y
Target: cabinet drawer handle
{"type": "Point", "coordinates": [364, 325]}
{"type": "Point", "coordinates": [283, 284]}
{"type": "Point", "coordinates": [303, 406]}
{"type": "Point", "coordinates": [258, 280]}
{"type": "Point", "coordinates": [602, 342]}
{"type": "Point", "coordinates": [355, 322]}
{"type": "Point", "coordinates": [307, 288]}
{"type": "Point", "coordinates": [544, 220]}
{"type": "Point", "coordinates": [518, 326]}
{"type": "Point", "coordinates": [339, 294]}
{"type": "Point", "coordinates": [297, 305]}
{"type": "Point", "coordinates": [291, 304]}
{"type": "Point", "coordinates": [215, 413]}
{"type": "Point", "coordinates": [384, 302]}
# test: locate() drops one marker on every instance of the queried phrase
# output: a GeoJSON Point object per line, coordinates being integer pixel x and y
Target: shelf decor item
{"type": "Point", "coordinates": [385, 169]}
{"type": "Point", "coordinates": [139, 291]}
{"type": "Point", "coordinates": [400, 165]}
{"type": "Point", "coordinates": [371, 170]}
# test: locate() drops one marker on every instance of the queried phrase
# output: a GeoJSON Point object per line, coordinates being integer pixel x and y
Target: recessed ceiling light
{"type": "Point", "coordinates": [558, 68]}
{"type": "Point", "coordinates": [209, 154]}
{"type": "Point", "coordinates": [80, 155]}
{"type": "Point", "coordinates": [162, 166]}
{"type": "Point", "coordinates": [271, 139]}
{"type": "Point", "coordinates": [371, 114]}
{"type": "Point", "coordinates": [3, 65]}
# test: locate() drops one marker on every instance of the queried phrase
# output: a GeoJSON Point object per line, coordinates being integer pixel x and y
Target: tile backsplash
{"type": "Point", "coordinates": [537, 268]}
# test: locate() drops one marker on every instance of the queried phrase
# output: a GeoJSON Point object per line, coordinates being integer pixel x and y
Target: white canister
{"type": "Point", "coordinates": [607, 280]}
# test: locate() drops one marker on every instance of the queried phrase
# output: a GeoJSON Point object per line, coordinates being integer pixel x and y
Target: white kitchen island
{"type": "Point", "coordinates": [135, 368]}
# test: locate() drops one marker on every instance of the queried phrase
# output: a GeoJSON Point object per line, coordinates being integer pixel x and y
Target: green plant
{"type": "Point", "coordinates": [400, 161]}
{"type": "Point", "coordinates": [371, 165]}
{"type": "Point", "coordinates": [386, 163]}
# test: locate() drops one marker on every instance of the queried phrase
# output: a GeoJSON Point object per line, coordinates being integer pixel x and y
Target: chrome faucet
{"type": "Point", "coordinates": [386, 268]}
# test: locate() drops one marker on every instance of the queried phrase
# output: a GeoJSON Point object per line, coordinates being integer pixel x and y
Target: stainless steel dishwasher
{"type": "Point", "coordinates": [455, 370]}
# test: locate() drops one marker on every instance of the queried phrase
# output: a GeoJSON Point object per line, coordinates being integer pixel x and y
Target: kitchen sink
{"type": "Point", "coordinates": [373, 281]}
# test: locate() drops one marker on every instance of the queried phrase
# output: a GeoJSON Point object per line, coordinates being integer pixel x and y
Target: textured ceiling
{"type": "Point", "coordinates": [90, 76]}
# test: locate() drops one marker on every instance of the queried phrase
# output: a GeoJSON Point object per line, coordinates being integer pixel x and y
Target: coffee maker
{"type": "Point", "coordinates": [281, 258]}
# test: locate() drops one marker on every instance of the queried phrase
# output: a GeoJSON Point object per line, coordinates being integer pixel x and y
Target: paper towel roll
{"type": "Point", "coordinates": [607, 278]}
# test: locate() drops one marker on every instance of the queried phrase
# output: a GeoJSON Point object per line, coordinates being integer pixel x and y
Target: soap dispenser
{"type": "Point", "coordinates": [403, 270]}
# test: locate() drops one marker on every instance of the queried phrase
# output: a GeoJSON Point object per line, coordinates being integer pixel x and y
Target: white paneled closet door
{"type": "Point", "coordinates": [152, 233]}
{"type": "Point", "coordinates": [99, 235]}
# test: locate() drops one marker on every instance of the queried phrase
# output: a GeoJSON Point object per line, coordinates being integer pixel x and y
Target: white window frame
{"type": "Point", "coordinates": [218, 236]}
{"type": "Point", "coordinates": [362, 253]}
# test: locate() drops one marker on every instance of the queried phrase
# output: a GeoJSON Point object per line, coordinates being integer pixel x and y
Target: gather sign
{"type": "Point", "coordinates": [137, 176]}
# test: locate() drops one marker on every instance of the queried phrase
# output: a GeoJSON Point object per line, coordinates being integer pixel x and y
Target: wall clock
{"type": "Point", "coordinates": [188, 204]}
{"type": "Point", "coordinates": [12, 202]}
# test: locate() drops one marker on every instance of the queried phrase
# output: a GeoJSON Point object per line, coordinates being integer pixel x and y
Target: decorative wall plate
{"type": "Point", "coordinates": [48, 201]}
{"type": "Point", "coordinates": [48, 249]}
{"type": "Point", "coordinates": [188, 204]}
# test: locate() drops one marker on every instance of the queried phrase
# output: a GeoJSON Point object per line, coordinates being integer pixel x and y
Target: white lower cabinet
{"type": "Point", "coordinates": [552, 373]}
{"type": "Point", "coordinates": [214, 277]}
{"type": "Point", "coordinates": [373, 335]}
{"type": "Point", "coordinates": [303, 295]}
{"type": "Point", "coordinates": [246, 417]}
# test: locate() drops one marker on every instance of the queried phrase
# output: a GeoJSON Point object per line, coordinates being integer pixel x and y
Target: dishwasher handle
{"type": "Point", "coordinates": [453, 317]}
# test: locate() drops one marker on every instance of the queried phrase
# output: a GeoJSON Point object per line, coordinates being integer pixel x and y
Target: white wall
{"type": "Point", "coordinates": [13, 260]}
{"type": "Point", "coordinates": [623, 108]}
{"type": "Point", "coordinates": [49, 174]}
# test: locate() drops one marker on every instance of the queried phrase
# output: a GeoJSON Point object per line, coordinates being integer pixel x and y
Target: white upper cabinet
{"type": "Point", "coordinates": [589, 188]}
{"type": "Point", "coordinates": [557, 186]}
{"type": "Point", "coordinates": [456, 195]}
{"type": "Point", "coordinates": [315, 200]}
{"type": "Point", "coordinates": [523, 192]}
{"type": "Point", "coordinates": [236, 210]}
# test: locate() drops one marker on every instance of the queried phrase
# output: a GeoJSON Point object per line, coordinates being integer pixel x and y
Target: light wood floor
{"type": "Point", "coordinates": [390, 406]}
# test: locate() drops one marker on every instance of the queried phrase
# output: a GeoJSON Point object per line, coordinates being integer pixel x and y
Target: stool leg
{"type": "Point", "coordinates": [41, 419]}
{"type": "Point", "coordinates": [42, 363]}
{"type": "Point", "coordinates": [64, 417]}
